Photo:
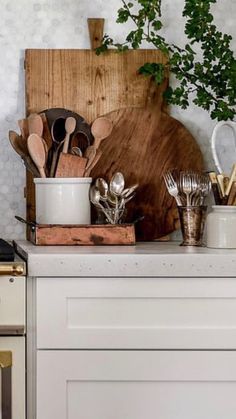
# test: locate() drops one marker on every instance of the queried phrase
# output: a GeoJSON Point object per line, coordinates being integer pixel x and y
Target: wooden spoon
{"type": "Point", "coordinates": [70, 125]}
{"type": "Point", "coordinates": [19, 145]}
{"type": "Point", "coordinates": [101, 128]}
{"type": "Point", "coordinates": [24, 129]}
{"type": "Point", "coordinates": [58, 135]}
{"type": "Point", "coordinates": [37, 152]}
{"type": "Point", "coordinates": [93, 164]}
{"type": "Point", "coordinates": [35, 124]}
{"type": "Point", "coordinates": [90, 154]}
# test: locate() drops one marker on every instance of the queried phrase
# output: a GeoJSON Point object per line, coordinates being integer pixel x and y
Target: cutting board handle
{"type": "Point", "coordinates": [96, 28]}
{"type": "Point", "coordinates": [155, 100]}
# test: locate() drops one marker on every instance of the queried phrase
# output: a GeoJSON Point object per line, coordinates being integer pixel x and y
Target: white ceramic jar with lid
{"type": "Point", "coordinates": [221, 227]}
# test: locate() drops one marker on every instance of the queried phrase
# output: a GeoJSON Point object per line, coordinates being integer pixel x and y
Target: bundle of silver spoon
{"type": "Point", "coordinates": [189, 188]}
{"type": "Point", "coordinates": [111, 198]}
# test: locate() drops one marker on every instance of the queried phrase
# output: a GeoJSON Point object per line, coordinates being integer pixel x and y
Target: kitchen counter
{"type": "Point", "coordinates": [154, 259]}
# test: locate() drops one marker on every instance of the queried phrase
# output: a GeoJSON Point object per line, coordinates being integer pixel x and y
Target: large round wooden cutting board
{"type": "Point", "coordinates": [143, 145]}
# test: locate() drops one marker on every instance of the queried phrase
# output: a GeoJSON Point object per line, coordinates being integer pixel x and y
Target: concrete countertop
{"type": "Point", "coordinates": [154, 259]}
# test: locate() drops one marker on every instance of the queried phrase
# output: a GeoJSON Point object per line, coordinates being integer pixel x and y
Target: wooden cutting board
{"type": "Point", "coordinates": [85, 83]}
{"type": "Point", "coordinates": [93, 85]}
{"type": "Point", "coordinates": [144, 144]}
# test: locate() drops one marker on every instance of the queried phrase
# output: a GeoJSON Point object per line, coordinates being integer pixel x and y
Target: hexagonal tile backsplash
{"type": "Point", "coordinates": [62, 24]}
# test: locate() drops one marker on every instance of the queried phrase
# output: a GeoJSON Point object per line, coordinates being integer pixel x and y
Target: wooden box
{"type": "Point", "coordinates": [82, 235]}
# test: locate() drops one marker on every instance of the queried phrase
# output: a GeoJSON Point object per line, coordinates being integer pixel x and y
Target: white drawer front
{"type": "Point", "coordinates": [12, 302]}
{"type": "Point", "coordinates": [136, 384]}
{"type": "Point", "coordinates": [134, 313]}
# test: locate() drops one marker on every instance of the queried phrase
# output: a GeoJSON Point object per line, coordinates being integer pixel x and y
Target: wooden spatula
{"type": "Point", "coordinates": [70, 166]}
{"type": "Point", "coordinates": [37, 152]}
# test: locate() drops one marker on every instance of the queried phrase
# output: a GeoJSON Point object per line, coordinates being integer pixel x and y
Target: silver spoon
{"type": "Point", "coordinates": [128, 191]}
{"type": "Point", "coordinates": [127, 195]}
{"type": "Point", "coordinates": [95, 197]}
{"type": "Point", "coordinates": [116, 186]}
{"type": "Point", "coordinates": [76, 151]}
{"type": "Point", "coordinates": [102, 186]}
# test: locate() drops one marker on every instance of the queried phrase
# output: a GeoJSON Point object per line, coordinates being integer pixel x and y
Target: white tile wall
{"type": "Point", "coordinates": [62, 24]}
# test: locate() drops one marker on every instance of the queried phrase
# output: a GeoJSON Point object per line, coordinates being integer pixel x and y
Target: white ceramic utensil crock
{"type": "Point", "coordinates": [62, 200]}
{"type": "Point", "coordinates": [221, 227]}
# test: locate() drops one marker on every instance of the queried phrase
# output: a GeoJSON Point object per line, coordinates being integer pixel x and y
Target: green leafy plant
{"type": "Point", "coordinates": [208, 81]}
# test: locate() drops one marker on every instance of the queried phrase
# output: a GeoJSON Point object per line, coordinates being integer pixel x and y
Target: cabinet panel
{"type": "Point", "coordinates": [16, 345]}
{"type": "Point", "coordinates": [142, 313]}
{"type": "Point", "coordinates": [136, 384]}
{"type": "Point", "coordinates": [12, 301]}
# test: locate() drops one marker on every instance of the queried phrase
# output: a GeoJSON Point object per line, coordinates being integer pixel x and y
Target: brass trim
{"type": "Point", "coordinates": [5, 359]}
{"type": "Point", "coordinates": [13, 269]}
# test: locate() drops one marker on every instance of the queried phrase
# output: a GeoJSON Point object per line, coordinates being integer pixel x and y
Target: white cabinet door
{"type": "Point", "coordinates": [136, 385]}
{"type": "Point", "coordinates": [16, 345]}
{"type": "Point", "coordinates": [136, 313]}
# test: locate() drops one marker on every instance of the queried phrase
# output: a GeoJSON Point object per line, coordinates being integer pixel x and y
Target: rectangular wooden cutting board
{"type": "Point", "coordinates": [85, 83]}
{"type": "Point", "coordinates": [88, 84]}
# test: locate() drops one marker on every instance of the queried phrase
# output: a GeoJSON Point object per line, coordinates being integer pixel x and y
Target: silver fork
{"type": "Point", "coordinates": [172, 187]}
{"type": "Point", "coordinates": [205, 185]}
{"type": "Point", "coordinates": [186, 186]}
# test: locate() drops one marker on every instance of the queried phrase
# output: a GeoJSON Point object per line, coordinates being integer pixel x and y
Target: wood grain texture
{"type": "Point", "coordinates": [83, 235]}
{"type": "Point", "coordinates": [96, 27]}
{"type": "Point", "coordinates": [70, 165]}
{"type": "Point", "coordinates": [46, 131]}
{"type": "Point", "coordinates": [143, 145]}
{"type": "Point", "coordinates": [86, 83]}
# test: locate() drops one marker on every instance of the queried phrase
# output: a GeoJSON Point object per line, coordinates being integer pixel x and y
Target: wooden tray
{"type": "Point", "coordinates": [82, 235]}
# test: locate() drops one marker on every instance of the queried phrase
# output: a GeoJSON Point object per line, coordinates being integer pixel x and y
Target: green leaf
{"type": "Point", "coordinates": [123, 16]}
{"type": "Point", "coordinates": [209, 77]}
{"type": "Point", "coordinates": [156, 70]}
{"type": "Point", "coordinates": [157, 25]}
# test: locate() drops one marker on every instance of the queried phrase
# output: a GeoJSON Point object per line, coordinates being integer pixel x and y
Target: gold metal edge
{"type": "Point", "coordinates": [5, 359]}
